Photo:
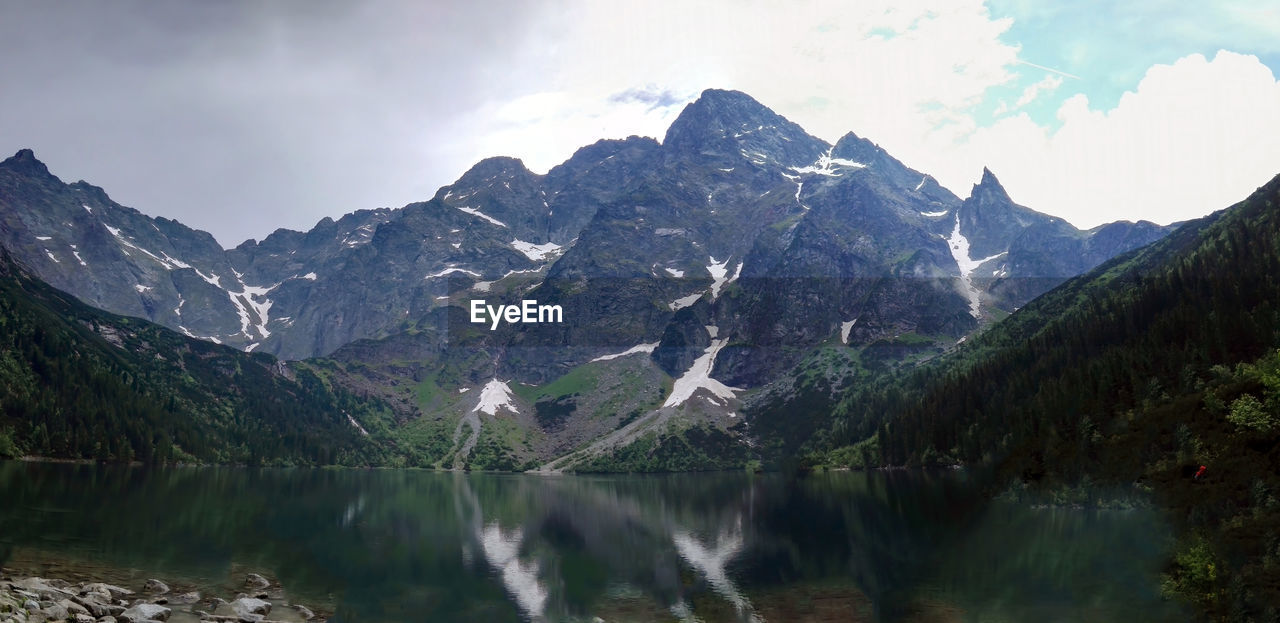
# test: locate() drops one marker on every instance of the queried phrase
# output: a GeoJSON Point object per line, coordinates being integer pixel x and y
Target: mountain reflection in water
{"type": "Point", "coordinates": [391, 545]}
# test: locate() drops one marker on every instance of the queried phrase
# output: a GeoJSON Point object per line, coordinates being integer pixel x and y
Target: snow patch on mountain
{"type": "Point", "coordinates": [187, 332]}
{"type": "Point", "coordinates": [496, 395]}
{"type": "Point", "coordinates": [684, 301]}
{"type": "Point", "coordinates": [845, 328]}
{"type": "Point", "coordinates": [826, 165]}
{"type": "Point", "coordinates": [699, 377]}
{"type": "Point", "coordinates": [475, 212]}
{"type": "Point", "coordinates": [245, 302]}
{"type": "Point", "coordinates": [451, 270]}
{"type": "Point", "coordinates": [535, 252]}
{"type": "Point", "coordinates": [634, 350]}
{"type": "Point", "coordinates": [720, 275]}
{"type": "Point", "coordinates": [959, 246]}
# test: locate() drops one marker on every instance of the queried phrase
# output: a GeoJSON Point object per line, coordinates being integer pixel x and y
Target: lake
{"type": "Point", "coordinates": [389, 545]}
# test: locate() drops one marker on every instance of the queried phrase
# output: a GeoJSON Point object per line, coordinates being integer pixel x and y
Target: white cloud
{"type": "Point", "coordinates": [1047, 85]}
{"type": "Point", "coordinates": [1193, 137]}
{"type": "Point", "coordinates": [889, 70]}
{"type": "Point", "coordinates": [908, 76]}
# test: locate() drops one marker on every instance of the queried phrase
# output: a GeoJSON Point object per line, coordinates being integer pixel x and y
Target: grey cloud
{"type": "Point", "coordinates": [240, 117]}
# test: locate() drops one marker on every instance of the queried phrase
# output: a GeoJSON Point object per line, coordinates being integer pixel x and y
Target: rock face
{"type": "Point", "coordinates": [814, 233]}
{"type": "Point", "coordinates": [683, 272]}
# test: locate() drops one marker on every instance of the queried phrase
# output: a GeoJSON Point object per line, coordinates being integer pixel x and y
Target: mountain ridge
{"type": "Point", "coordinates": [735, 247]}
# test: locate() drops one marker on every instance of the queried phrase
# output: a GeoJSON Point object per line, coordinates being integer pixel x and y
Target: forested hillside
{"type": "Point", "coordinates": [1139, 372]}
{"type": "Point", "coordinates": [79, 383]}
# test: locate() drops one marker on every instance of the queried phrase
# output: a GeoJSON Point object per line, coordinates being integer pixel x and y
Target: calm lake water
{"type": "Point", "coordinates": [421, 546]}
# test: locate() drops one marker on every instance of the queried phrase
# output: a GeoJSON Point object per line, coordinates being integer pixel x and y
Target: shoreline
{"type": "Point", "coordinates": [30, 598]}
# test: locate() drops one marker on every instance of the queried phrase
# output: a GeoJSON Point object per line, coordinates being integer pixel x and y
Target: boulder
{"type": "Point", "coordinates": [254, 581]}
{"type": "Point", "coordinates": [145, 612]}
{"type": "Point", "coordinates": [250, 605]}
{"type": "Point", "coordinates": [96, 603]}
{"type": "Point", "coordinates": [42, 589]}
{"type": "Point", "coordinates": [155, 587]}
{"type": "Point", "coordinates": [114, 591]}
{"type": "Point", "coordinates": [72, 607]}
{"type": "Point", "coordinates": [55, 612]}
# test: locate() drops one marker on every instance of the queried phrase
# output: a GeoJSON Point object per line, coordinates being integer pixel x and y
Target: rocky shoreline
{"type": "Point", "coordinates": [43, 600]}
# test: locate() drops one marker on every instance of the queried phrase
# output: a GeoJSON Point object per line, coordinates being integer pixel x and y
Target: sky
{"type": "Point", "coordinates": [242, 117]}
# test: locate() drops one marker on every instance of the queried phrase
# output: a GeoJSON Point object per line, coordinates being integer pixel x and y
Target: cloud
{"type": "Point", "coordinates": [1029, 94]}
{"type": "Point", "coordinates": [250, 116]}
{"type": "Point", "coordinates": [1192, 137]}
{"type": "Point", "coordinates": [889, 70]}
{"type": "Point", "coordinates": [910, 77]}
{"type": "Point", "coordinates": [649, 96]}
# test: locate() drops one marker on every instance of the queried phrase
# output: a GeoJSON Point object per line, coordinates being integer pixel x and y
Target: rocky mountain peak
{"type": "Point", "coordinates": [24, 162]}
{"type": "Point", "coordinates": [989, 189]}
{"type": "Point", "coordinates": [853, 147]}
{"type": "Point", "coordinates": [726, 122]}
{"type": "Point", "coordinates": [495, 169]}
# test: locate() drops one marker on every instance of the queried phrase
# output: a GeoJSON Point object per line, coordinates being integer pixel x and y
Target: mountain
{"type": "Point", "coordinates": [76, 382]}
{"type": "Point", "coordinates": [693, 274]}
{"type": "Point", "coordinates": [1137, 373]}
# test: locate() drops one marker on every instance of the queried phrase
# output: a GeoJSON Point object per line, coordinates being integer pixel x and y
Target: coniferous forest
{"type": "Point", "coordinates": [84, 384]}
{"type": "Point", "coordinates": [1136, 374]}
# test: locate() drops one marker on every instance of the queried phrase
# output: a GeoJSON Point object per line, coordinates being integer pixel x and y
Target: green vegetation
{"type": "Point", "coordinates": [698, 448]}
{"type": "Point", "coordinates": [1153, 364]}
{"type": "Point", "coordinates": [79, 383]}
{"type": "Point", "coordinates": [580, 380]}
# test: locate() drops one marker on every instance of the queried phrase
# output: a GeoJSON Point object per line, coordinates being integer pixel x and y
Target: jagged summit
{"type": "Point", "coordinates": [989, 189]}
{"type": "Point", "coordinates": [25, 163]}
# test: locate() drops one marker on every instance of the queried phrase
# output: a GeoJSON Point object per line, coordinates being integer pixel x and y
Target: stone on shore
{"type": "Point", "coordinates": [250, 605]}
{"type": "Point", "coordinates": [142, 613]}
{"type": "Point", "coordinates": [155, 587]}
{"type": "Point", "coordinates": [254, 581]}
